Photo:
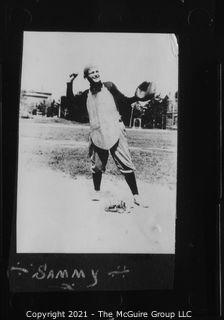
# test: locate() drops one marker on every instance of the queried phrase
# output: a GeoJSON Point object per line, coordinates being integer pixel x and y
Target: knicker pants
{"type": "Point", "coordinates": [119, 152]}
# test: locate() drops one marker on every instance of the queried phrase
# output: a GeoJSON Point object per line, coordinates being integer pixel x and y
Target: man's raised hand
{"type": "Point", "coordinates": [73, 76]}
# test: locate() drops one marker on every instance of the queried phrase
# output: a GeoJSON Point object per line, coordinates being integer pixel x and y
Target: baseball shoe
{"type": "Point", "coordinates": [139, 202]}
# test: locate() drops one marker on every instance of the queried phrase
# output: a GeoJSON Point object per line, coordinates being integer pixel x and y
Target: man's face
{"type": "Point", "coordinates": [93, 75]}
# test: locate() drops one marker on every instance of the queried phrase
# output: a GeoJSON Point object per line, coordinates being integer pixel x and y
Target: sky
{"type": "Point", "coordinates": [127, 59]}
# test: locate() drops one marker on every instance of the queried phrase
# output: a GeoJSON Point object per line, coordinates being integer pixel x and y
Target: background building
{"type": "Point", "coordinates": [34, 102]}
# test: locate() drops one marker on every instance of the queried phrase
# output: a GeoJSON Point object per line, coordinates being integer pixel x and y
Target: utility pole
{"type": "Point", "coordinates": [132, 109]}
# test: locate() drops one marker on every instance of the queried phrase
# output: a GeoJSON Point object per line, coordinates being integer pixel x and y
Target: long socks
{"type": "Point", "coordinates": [97, 180]}
{"type": "Point", "coordinates": [131, 181]}
{"type": "Point", "coordinates": [129, 177]}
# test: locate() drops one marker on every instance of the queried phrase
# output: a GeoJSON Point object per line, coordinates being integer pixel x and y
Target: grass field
{"type": "Point", "coordinates": [64, 147]}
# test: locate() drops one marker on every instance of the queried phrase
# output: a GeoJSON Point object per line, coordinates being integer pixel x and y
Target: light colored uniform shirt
{"type": "Point", "coordinates": [104, 119]}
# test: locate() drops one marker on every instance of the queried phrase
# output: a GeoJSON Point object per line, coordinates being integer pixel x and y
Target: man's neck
{"type": "Point", "coordinates": [96, 87]}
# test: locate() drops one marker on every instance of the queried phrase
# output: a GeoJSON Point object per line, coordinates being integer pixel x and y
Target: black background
{"type": "Point", "coordinates": [198, 27]}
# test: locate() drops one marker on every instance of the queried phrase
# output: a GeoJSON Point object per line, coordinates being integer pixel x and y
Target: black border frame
{"type": "Point", "coordinates": [196, 282]}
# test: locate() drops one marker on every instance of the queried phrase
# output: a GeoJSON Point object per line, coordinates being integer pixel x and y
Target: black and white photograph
{"type": "Point", "coordinates": [112, 157]}
{"type": "Point", "coordinates": [97, 148]}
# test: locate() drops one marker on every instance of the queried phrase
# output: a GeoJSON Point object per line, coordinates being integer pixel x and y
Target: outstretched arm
{"type": "Point", "coordinates": [119, 96]}
{"type": "Point", "coordinates": [145, 91]}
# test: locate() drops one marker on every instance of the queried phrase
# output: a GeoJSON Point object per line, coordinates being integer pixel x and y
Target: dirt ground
{"type": "Point", "coordinates": [55, 212]}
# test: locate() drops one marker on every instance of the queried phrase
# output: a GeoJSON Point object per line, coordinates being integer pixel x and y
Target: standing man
{"type": "Point", "coordinates": [102, 105]}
